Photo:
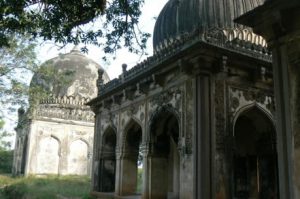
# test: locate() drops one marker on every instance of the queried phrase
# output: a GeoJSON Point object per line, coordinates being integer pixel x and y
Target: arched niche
{"type": "Point", "coordinates": [131, 152]}
{"type": "Point", "coordinates": [108, 161]}
{"type": "Point", "coordinates": [48, 155]}
{"type": "Point", "coordinates": [165, 159]}
{"type": "Point", "coordinates": [78, 157]}
{"type": "Point", "coordinates": [255, 171]}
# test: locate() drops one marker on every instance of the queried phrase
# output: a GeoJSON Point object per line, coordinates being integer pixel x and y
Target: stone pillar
{"type": "Point", "coordinates": [278, 22]}
{"type": "Point", "coordinates": [146, 171]}
{"type": "Point", "coordinates": [203, 139]}
{"type": "Point", "coordinates": [155, 175]}
{"type": "Point", "coordinates": [96, 152]}
{"type": "Point", "coordinates": [118, 187]}
{"type": "Point", "coordinates": [158, 177]}
{"type": "Point", "coordinates": [126, 174]}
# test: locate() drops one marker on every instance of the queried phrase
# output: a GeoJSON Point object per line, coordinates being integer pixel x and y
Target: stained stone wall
{"type": "Point", "coordinates": [59, 148]}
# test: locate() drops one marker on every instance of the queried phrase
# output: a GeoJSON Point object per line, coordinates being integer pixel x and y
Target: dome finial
{"type": "Point", "coordinates": [76, 49]}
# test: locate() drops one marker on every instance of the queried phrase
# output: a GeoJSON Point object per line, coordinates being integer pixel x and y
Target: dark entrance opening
{"type": "Point", "coordinates": [255, 158]}
{"type": "Point", "coordinates": [165, 159]}
{"type": "Point", "coordinates": [108, 161]}
{"type": "Point", "coordinates": [131, 159]}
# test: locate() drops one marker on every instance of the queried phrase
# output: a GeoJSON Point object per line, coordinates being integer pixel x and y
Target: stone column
{"type": "Point", "coordinates": [203, 139]}
{"type": "Point", "coordinates": [126, 174]}
{"type": "Point", "coordinates": [96, 152]}
{"type": "Point", "coordinates": [118, 188]}
{"type": "Point", "coordinates": [146, 171]}
{"type": "Point", "coordinates": [155, 175]}
{"type": "Point", "coordinates": [278, 22]}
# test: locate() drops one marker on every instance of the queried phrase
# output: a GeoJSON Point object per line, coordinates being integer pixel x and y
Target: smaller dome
{"type": "Point", "coordinates": [71, 74]}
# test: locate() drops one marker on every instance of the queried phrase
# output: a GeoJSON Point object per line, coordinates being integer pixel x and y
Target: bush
{"type": "Point", "coordinates": [48, 187]}
{"type": "Point", "coordinates": [15, 191]}
{"type": "Point", "coordinates": [6, 160]}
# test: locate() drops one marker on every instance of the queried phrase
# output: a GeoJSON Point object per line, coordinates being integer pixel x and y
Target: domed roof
{"type": "Point", "coordinates": [184, 16]}
{"type": "Point", "coordinates": [71, 74]}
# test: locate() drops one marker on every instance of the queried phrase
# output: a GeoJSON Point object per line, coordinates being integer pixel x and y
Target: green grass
{"type": "Point", "coordinates": [139, 180]}
{"type": "Point", "coordinates": [50, 187]}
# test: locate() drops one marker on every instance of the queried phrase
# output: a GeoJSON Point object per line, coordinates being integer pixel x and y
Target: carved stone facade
{"type": "Point", "coordinates": [55, 135]}
{"type": "Point", "coordinates": [198, 114]}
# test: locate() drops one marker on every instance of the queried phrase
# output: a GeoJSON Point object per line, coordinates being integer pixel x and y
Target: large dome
{"type": "Point", "coordinates": [184, 16]}
{"type": "Point", "coordinates": [74, 75]}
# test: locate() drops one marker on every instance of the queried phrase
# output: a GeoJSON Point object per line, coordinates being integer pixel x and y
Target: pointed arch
{"type": "Point", "coordinates": [161, 117]}
{"type": "Point", "coordinates": [255, 171]}
{"type": "Point", "coordinates": [109, 141]}
{"type": "Point", "coordinates": [133, 126]}
{"type": "Point", "coordinates": [83, 140]}
{"type": "Point", "coordinates": [252, 106]}
{"type": "Point", "coordinates": [48, 156]}
{"type": "Point", "coordinates": [78, 157]}
{"type": "Point", "coordinates": [107, 166]}
{"type": "Point", "coordinates": [132, 138]}
{"type": "Point", "coordinates": [164, 138]}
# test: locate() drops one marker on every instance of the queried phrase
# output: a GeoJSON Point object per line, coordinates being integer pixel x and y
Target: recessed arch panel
{"type": "Point", "coordinates": [78, 157]}
{"type": "Point", "coordinates": [48, 155]}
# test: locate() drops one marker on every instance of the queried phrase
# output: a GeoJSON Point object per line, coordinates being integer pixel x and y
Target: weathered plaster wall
{"type": "Point", "coordinates": [59, 148]}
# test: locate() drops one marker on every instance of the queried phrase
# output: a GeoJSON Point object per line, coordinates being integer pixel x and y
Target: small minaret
{"type": "Point", "coordinates": [100, 81]}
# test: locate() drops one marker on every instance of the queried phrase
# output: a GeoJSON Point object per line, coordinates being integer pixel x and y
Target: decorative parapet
{"type": "Point", "coordinates": [67, 100]}
{"type": "Point", "coordinates": [237, 40]}
{"type": "Point", "coordinates": [62, 107]}
{"type": "Point", "coordinates": [83, 114]}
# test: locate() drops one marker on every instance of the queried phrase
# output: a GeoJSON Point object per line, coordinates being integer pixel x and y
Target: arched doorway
{"type": "Point", "coordinates": [130, 158]}
{"type": "Point", "coordinates": [164, 156]}
{"type": "Point", "coordinates": [255, 158]}
{"type": "Point", "coordinates": [108, 161]}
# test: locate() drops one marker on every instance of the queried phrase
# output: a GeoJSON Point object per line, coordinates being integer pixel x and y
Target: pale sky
{"type": "Point", "coordinates": [150, 10]}
{"type": "Point", "coordinates": [48, 50]}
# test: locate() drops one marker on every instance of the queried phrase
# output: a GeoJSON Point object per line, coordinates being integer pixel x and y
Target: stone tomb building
{"type": "Point", "coordinates": [55, 135]}
{"type": "Point", "coordinates": [199, 113]}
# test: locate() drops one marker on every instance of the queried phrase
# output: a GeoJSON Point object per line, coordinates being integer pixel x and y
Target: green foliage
{"type": "Point", "coordinates": [16, 62]}
{"type": "Point", "coordinates": [49, 187]}
{"type": "Point", "coordinates": [6, 160]}
{"type": "Point", "coordinates": [139, 180]}
{"type": "Point", "coordinates": [4, 144]}
{"type": "Point", "coordinates": [6, 155]}
{"type": "Point", "coordinates": [63, 21]}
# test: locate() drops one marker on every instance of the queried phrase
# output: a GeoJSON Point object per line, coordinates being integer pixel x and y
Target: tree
{"type": "Point", "coordinates": [6, 154]}
{"type": "Point", "coordinates": [17, 62]}
{"type": "Point", "coordinates": [63, 22]}
{"type": "Point", "coordinates": [4, 144]}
